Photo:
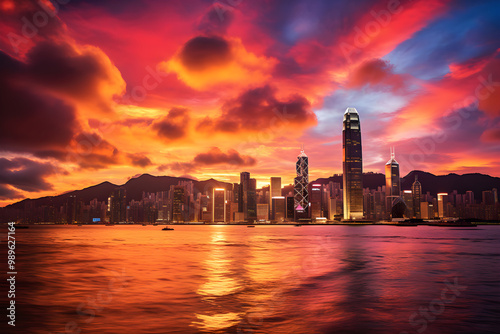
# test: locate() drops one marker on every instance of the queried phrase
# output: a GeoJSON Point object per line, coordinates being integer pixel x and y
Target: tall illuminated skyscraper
{"type": "Point", "coordinates": [416, 189]}
{"type": "Point", "coordinates": [301, 195]}
{"type": "Point", "coordinates": [392, 183]}
{"type": "Point", "coordinates": [352, 165]}
{"type": "Point", "coordinates": [392, 180]}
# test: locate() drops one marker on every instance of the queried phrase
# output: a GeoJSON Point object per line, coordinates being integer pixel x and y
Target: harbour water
{"type": "Point", "coordinates": [267, 279]}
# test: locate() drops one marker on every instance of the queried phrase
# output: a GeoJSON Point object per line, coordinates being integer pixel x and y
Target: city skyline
{"type": "Point", "coordinates": [304, 201]}
{"type": "Point", "coordinates": [230, 166]}
{"type": "Point", "coordinates": [217, 89]}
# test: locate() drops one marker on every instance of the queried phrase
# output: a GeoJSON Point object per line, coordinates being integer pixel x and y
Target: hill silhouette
{"type": "Point", "coordinates": [135, 187]}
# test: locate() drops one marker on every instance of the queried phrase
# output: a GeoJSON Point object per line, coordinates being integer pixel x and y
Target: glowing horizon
{"type": "Point", "coordinates": [95, 92]}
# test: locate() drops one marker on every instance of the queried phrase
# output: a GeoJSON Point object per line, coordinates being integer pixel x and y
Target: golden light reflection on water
{"type": "Point", "coordinates": [217, 321]}
{"type": "Point", "coordinates": [219, 282]}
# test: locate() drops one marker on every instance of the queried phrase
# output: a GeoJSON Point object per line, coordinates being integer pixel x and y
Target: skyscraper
{"type": "Point", "coordinates": [178, 201]}
{"type": "Point", "coordinates": [392, 181]}
{"type": "Point", "coordinates": [416, 189]}
{"type": "Point", "coordinates": [243, 193]}
{"type": "Point", "coordinates": [316, 200]}
{"type": "Point", "coordinates": [442, 199]}
{"type": "Point", "coordinates": [118, 206]}
{"type": "Point", "coordinates": [274, 190]}
{"type": "Point", "coordinates": [352, 165]}
{"type": "Point", "coordinates": [252, 200]}
{"type": "Point", "coordinates": [219, 205]}
{"type": "Point", "coordinates": [71, 209]}
{"type": "Point", "coordinates": [279, 208]}
{"type": "Point", "coordinates": [301, 195]}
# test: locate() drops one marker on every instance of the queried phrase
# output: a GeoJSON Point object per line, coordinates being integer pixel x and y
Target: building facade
{"type": "Point", "coordinates": [352, 165]}
{"type": "Point", "coordinates": [301, 182]}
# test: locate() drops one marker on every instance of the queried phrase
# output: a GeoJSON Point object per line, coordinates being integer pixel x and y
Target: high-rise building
{"type": "Point", "coordinates": [274, 190]}
{"type": "Point", "coordinates": [392, 181]}
{"type": "Point", "coordinates": [469, 197]}
{"type": "Point", "coordinates": [118, 205]}
{"type": "Point", "coordinates": [352, 165]}
{"type": "Point", "coordinates": [71, 209]}
{"type": "Point", "coordinates": [316, 200]}
{"type": "Point", "coordinates": [219, 205]}
{"type": "Point", "coordinates": [243, 193]}
{"type": "Point", "coordinates": [488, 197]}
{"type": "Point", "coordinates": [178, 202]}
{"type": "Point", "coordinates": [262, 212]}
{"type": "Point", "coordinates": [416, 189]}
{"type": "Point", "coordinates": [426, 210]}
{"type": "Point", "coordinates": [442, 199]}
{"type": "Point", "coordinates": [290, 208]}
{"type": "Point", "coordinates": [252, 200]}
{"type": "Point", "coordinates": [407, 196]}
{"type": "Point", "coordinates": [279, 208]}
{"type": "Point", "coordinates": [301, 182]}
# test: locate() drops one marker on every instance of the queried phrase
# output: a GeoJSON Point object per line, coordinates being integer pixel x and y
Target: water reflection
{"type": "Point", "coordinates": [220, 281]}
{"type": "Point", "coordinates": [276, 279]}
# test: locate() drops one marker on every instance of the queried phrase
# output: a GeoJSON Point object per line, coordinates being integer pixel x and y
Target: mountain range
{"type": "Point", "coordinates": [135, 187]}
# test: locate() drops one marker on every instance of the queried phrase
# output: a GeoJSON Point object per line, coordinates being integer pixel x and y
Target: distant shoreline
{"type": "Point", "coordinates": [360, 223]}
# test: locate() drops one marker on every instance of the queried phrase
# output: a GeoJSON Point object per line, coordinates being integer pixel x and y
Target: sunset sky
{"type": "Point", "coordinates": [94, 91]}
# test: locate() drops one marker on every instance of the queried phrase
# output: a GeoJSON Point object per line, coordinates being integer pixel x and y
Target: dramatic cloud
{"type": "Point", "coordinates": [7, 193]}
{"type": "Point", "coordinates": [202, 52]}
{"type": "Point", "coordinates": [25, 174]}
{"type": "Point", "coordinates": [40, 98]}
{"type": "Point", "coordinates": [376, 72]}
{"type": "Point", "coordinates": [185, 167]}
{"type": "Point", "coordinates": [258, 109]}
{"type": "Point", "coordinates": [31, 120]}
{"type": "Point", "coordinates": [217, 19]}
{"type": "Point", "coordinates": [139, 160]}
{"type": "Point", "coordinates": [83, 74]}
{"type": "Point", "coordinates": [173, 125]}
{"type": "Point", "coordinates": [206, 61]}
{"type": "Point", "coordinates": [216, 156]}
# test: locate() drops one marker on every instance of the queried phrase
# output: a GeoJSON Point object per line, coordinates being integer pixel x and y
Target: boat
{"type": "Point", "coordinates": [250, 225]}
{"type": "Point", "coordinates": [155, 224]}
{"type": "Point", "coordinates": [21, 226]}
{"type": "Point", "coordinates": [144, 224]}
{"type": "Point", "coordinates": [109, 224]}
{"type": "Point", "coordinates": [298, 225]}
{"type": "Point", "coordinates": [166, 228]}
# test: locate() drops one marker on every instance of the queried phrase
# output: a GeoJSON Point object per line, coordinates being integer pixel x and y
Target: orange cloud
{"type": "Point", "coordinates": [211, 61]}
